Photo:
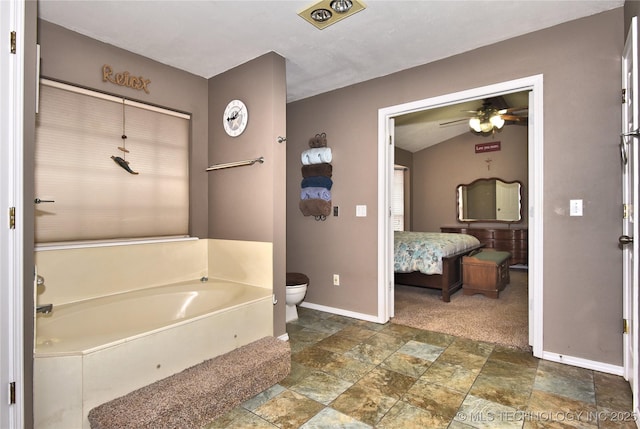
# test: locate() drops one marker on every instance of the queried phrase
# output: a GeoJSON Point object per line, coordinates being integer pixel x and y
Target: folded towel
{"type": "Point", "coordinates": [316, 156]}
{"type": "Point", "coordinates": [323, 169]}
{"type": "Point", "coordinates": [317, 182]}
{"type": "Point", "coordinates": [315, 207]}
{"type": "Point", "coordinates": [319, 140]}
{"type": "Point", "coordinates": [315, 193]}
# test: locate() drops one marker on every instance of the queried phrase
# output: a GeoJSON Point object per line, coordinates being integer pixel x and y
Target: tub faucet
{"type": "Point", "coordinates": [44, 309]}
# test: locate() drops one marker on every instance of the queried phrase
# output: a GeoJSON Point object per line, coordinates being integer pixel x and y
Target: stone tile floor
{"type": "Point", "coordinates": [347, 373]}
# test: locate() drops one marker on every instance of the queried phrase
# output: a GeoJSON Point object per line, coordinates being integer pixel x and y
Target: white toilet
{"type": "Point", "coordinates": [296, 290]}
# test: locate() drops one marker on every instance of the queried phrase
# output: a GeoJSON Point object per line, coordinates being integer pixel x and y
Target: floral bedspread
{"type": "Point", "coordinates": [423, 251]}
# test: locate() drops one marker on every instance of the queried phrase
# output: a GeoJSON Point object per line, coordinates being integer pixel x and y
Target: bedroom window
{"type": "Point", "coordinates": [78, 131]}
{"type": "Point", "coordinates": [397, 200]}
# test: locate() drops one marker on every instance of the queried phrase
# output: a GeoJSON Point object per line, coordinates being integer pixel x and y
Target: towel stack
{"type": "Point", "coordinates": [315, 195]}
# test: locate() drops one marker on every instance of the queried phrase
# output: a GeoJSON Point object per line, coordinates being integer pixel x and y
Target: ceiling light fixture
{"type": "Point", "coordinates": [322, 15]}
{"type": "Point", "coordinates": [341, 6]}
{"type": "Point", "coordinates": [486, 120]}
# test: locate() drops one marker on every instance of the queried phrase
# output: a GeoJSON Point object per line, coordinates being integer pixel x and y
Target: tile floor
{"type": "Point", "coordinates": [347, 373]}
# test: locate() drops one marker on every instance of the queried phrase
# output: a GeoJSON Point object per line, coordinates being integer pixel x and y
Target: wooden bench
{"type": "Point", "coordinates": [485, 272]}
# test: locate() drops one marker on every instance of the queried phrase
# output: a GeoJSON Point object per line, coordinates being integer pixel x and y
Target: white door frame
{"type": "Point", "coordinates": [535, 209]}
{"type": "Point", "coordinates": [12, 16]}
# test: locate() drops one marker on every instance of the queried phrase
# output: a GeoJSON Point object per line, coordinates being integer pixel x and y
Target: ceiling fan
{"type": "Point", "coordinates": [492, 115]}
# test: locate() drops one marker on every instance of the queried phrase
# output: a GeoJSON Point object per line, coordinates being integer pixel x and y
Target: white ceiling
{"type": "Point", "coordinates": [208, 37]}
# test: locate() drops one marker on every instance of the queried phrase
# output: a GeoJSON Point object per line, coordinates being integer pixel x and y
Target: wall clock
{"type": "Point", "coordinates": [235, 118]}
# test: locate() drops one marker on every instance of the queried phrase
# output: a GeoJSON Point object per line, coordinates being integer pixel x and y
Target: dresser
{"type": "Point", "coordinates": [512, 240]}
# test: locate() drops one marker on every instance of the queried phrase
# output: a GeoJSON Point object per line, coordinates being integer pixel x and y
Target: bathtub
{"type": "Point", "coordinates": [95, 350]}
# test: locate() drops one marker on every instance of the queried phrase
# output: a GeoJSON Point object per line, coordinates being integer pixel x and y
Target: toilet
{"type": "Point", "coordinates": [296, 290]}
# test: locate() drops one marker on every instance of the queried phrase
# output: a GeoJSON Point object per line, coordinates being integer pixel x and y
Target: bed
{"type": "Point", "coordinates": [431, 259]}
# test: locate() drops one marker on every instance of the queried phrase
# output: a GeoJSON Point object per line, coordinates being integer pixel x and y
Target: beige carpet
{"type": "Point", "coordinates": [197, 395]}
{"type": "Point", "coordinates": [501, 321]}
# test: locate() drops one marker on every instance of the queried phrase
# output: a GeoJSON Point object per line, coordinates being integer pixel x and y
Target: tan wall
{"type": "Point", "coordinates": [248, 203]}
{"type": "Point", "coordinates": [631, 9]}
{"type": "Point", "coordinates": [438, 170]}
{"type": "Point", "coordinates": [580, 61]}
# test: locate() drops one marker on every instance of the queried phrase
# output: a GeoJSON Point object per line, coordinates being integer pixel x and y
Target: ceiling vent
{"type": "Point", "coordinates": [327, 12]}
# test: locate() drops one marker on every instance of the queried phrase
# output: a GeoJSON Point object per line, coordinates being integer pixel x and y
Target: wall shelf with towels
{"type": "Point", "coordinates": [236, 164]}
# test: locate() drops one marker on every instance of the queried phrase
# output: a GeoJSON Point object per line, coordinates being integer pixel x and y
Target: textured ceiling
{"type": "Point", "coordinates": [207, 37]}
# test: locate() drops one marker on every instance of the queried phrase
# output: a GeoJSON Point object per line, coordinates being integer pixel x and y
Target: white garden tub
{"type": "Point", "coordinates": [92, 351]}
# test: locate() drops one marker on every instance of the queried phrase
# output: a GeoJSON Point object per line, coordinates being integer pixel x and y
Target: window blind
{"type": "Point", "coordinates": [77, 133]}
{"type": "Point", "coordinates": [397, 199]}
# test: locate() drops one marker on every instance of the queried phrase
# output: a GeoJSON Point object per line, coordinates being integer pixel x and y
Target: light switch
{"type": "Point", "coordinates": [361, 211]}
{"type": "Point", "coordinates": [575, 207]}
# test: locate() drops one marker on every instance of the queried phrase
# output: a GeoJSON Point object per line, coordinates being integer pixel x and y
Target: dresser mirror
{"type": "Point", "coordinates": [489, 200]}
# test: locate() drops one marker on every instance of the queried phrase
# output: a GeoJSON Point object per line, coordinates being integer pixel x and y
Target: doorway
{"type": "Point", "coordinates": [386, 127]}
{"type": "Point", "coordinates": [630, 227]}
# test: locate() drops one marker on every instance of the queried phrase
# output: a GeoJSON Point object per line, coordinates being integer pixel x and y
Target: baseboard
{"type": "Point", "coordinates": [284, 337]}
{"type": "Point", "coordinates": [584, 363]}
{"type": "Point", "coordinates": [554, 357]}
{"type": "Point", "coordinates": [340, 312]}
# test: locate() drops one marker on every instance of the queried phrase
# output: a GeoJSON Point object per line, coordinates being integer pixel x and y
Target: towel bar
{"type": "Point", "coordinates": [235, 164]}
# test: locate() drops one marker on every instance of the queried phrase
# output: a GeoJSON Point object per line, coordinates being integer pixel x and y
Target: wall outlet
{"type": "Point", "coordinates": [336, 279]}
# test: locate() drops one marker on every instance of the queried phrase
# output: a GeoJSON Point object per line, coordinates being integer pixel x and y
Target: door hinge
{"type": "Point", "coordinates": [624, 95]}
{"type": "Point", "coordinates": [12, 392]}
{"type": "Point", "coordinates": [12, 218]}
{"type": "Point", "coordinates": [390, 140]}
{"type": "Point", "coordinates": [625, 326]}
{"type": "Point", "coordinates": [13, 42]}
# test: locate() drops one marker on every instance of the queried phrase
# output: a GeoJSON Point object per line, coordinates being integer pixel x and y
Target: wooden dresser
{"type": "Point", "coordinates": [512, 240]}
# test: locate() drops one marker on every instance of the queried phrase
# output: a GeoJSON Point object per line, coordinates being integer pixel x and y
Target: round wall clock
{"type": "Point", "coordinates": [235, 118]}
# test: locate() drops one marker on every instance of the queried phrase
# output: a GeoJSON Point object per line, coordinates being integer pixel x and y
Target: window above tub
{"type": "Point", "coordinates": [88, 146]}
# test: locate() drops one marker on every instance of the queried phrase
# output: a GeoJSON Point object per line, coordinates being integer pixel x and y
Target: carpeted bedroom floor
{"type": "Point", "coordinates": [501, 321]}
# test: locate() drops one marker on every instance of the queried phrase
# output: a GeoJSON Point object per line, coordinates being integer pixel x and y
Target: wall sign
{"type": "Point", "coordinates": [125, 79]}
{"type": "Point", "coordinates": [487, 147]}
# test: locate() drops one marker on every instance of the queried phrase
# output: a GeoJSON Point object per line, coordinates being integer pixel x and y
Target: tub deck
{"type": "Point", "coordinates": [87, 326]}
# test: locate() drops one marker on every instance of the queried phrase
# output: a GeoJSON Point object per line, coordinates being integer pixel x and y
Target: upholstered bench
{"type": "Point", "coordinates": [485, 272]}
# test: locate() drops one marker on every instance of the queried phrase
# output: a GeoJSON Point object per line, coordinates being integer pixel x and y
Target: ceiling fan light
{"type": "Point", "coordinates": [321, 15]}
{"type": "Point", "coordinates": [485, 127]}
{"type": "Point", "coordinates": [497, 121]}
{"type": "Point", "coordinates": [341, 6]}
{"type": "Point", "coordinates": [474, 123]}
